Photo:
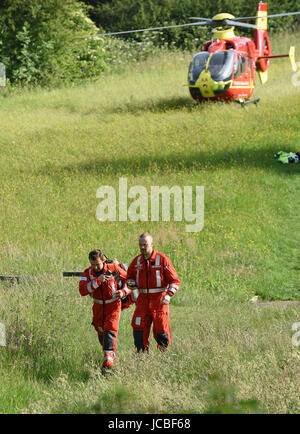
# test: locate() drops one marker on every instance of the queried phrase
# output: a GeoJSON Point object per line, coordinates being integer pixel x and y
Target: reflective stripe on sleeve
{"type": "Point", "coordinates": [94, 284]}
{"type": "Point", "coordinates": [137, 271]}
{"type": "Point", "coordinates": [113, 288]}
{"type": "Point", "coordinates": [89, 287]}
{"type": "Point", "coordinates": [158, 279]}
{"type": "Point", "coordinates": [135, 294]}
{"type": "Point", "coordinates": [173, 288]}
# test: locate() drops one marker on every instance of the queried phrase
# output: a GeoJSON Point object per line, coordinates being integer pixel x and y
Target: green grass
{"type": "Point", "coordinates": [57, 148]}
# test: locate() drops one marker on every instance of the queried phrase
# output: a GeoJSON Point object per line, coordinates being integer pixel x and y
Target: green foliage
{"type": "Point", "coordinates": [37, 42]}
{"type": "Point", "coordinates": [38, 47]}
{"type": "Point", "coordinates": [222, 399]}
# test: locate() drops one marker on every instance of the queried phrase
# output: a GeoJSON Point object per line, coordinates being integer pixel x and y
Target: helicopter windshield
{"type": "Point", "coordinates": [221, 65]}
{"type": "Point", "coordinates": [197, 65]}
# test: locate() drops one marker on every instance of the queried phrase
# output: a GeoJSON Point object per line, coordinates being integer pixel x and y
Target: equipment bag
{"type": "Point", "coordinates": [128, 300]}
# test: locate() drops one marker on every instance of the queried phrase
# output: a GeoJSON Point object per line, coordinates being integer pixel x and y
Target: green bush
{"type": "Point", "coordinates": [37, 42]}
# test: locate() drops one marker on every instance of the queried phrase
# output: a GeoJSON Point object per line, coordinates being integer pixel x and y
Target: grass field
{"type": "Point", "coordinates": [57, 148]}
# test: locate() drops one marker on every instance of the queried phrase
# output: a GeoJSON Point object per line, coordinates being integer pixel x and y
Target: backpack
{"type": "Point", "coordinates": [128, 300]}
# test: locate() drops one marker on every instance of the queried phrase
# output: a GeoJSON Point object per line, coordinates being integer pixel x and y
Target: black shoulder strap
{"type": "Point", "coordinates": [117, 277]}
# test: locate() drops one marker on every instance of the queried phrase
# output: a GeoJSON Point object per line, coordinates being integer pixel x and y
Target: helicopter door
{"type": "Point", "coordinates": [246, 70]}
{"type": "Point", "coordinates": [236, 69]}
{"type": "Point", "coordinates": [242, 83]}
{"type": "Point", "coordinates": [243, 65]}
{"type": "Point", "coordinates": [241, 69]}
{"type": "Point", "coordinates": [249, 68]}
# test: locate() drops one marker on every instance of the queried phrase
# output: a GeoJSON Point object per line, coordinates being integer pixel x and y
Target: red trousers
{"type": "Point", "coordinates": [149, 311]}
{"type": "Point", "coordinates": [106, 322]}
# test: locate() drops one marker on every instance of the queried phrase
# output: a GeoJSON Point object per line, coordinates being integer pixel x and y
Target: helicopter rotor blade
{"type": "Point", "coordinates": [237, 24]}
{"type": "Point", "coordinates": [219, 23]}
{"type": "Point", "coordinates": [141, 30]}
{"type": "Point", "coordinates": [267, 16]}
{"type": "Point", "coordinates": [199, 18]}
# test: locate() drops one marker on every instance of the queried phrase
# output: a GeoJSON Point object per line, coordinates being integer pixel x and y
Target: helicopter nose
{"type": "Point", "coordinates": [206, 84]}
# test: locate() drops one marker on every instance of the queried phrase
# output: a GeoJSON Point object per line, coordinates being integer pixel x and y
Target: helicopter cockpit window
{"type": "Point", "coordinates": [243, 65]}
{"type": "Point", "coordinates": [237, 67]}
{"type": "Point", "coordinates": [221, 65]}
{"type": "Point", "coordinates": [197, 65]}
{"type": "Point", "coordinates": [249, 63]}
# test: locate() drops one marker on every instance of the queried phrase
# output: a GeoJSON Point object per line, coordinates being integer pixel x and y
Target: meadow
{"type": "Point", "coordinates": [57, 148]}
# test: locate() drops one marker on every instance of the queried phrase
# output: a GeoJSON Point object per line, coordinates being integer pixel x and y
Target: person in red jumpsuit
{"type": "Point", "coordinates": [156, 279]}
{"type": "Point", "coordinates": [106, 283]}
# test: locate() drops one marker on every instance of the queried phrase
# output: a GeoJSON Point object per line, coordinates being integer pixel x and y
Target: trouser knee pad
{"type": "Point", "coordinates": [109, 340]}
{"type": "Point", "coordinates": [138, 340]}
{"type": "Point", "coordinates": [162, 339]}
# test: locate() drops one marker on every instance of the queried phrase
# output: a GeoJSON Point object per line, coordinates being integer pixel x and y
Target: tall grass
{"type": "Point", "coordinates": [57, 148]}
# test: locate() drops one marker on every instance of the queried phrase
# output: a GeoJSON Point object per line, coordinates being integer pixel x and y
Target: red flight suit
{"type": "Point", "coordinates": [106, 308]}
{"type": "Point", "coordinates": [154, 278]}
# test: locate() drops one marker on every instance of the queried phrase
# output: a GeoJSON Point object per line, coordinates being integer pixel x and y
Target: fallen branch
{"type": "Point", "coordinates": [72, 273]}
{"type": "Point", "coordinates": [11, 279]}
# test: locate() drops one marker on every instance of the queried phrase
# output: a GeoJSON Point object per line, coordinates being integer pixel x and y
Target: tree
{"type": "Point", "coordinates": [37, 42]}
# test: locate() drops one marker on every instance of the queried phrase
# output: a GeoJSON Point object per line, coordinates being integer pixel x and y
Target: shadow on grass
{"type": "Point", "coordinates": [117, 400]}
{"type": "Point", "coordinates": [158, 106]}
{"type": "Point", "coordinates": [262, 158]}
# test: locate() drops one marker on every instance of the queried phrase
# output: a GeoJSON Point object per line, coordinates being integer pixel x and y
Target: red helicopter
{"type": "Point", "coordinates": [225, 68]}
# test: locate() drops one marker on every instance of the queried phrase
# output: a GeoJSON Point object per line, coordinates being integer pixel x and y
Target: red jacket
{"type": "Point", "coordinates": [155, 275]}
{"type": "Point", "coordinates": [90, 284]}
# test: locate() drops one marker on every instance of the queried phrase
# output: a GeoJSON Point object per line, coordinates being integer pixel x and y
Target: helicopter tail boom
{"type": "Point", "coordinates": [291, 56]}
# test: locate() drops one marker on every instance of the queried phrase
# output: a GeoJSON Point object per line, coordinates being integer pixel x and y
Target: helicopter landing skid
{"type": "Point", "coordinates": [243, 102]}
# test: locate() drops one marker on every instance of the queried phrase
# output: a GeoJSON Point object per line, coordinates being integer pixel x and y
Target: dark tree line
{"type": "Point", "coordinates": [117, 15]}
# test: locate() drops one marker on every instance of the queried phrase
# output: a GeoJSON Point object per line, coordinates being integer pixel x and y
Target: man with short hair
{"type": "Point", "coordinates": [156, 279]}
{"type": "Point", "coordinates": [106, 283]}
